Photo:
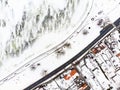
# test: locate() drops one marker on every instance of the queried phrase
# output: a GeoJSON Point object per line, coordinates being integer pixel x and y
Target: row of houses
{"type": "Point", "coordinates": [99, 69]}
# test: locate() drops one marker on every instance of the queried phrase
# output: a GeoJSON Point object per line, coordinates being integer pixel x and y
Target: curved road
{"type": "Point", "coordinates": [47, 53]}
{"type": "Point", "coordinates": [104, 32]}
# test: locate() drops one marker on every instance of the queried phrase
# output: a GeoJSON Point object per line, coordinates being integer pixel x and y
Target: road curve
{"type": "Point", "coordinates": [104, 32]}
{"type": "Point", "coordinates": [45, 54]}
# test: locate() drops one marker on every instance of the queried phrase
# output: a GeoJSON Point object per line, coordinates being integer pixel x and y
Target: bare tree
{"type": "Point", "coordinates": [85, 32]}
{"type": "Point", "coordinates": [44, 72]}
{"type": "Point", "coordinates": [68, 45]}
{"type": "Point", "coordinates": [32, 67]}
{"type": "Point", "coordinates": [60, 52]}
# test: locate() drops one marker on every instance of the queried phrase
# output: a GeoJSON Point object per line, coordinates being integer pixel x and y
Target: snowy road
{"type": "Point", "coordinates": [83, 52]}
{"type": "Point", "coordinates": [27, 63]}
{"type": "Point", "coordinates": [42, 51]}
{"type": "Point", "coordinates": [18, 80]}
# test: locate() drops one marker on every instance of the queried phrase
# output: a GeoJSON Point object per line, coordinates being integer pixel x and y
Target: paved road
{"type": "Point", "coordinates": [105, 31]}
{"type": "Point", "coordinates": [47, 53]}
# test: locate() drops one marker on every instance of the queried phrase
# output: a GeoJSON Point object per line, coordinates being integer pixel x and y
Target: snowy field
{"type": "Point", "coordinates": [29, 34]}
{"type": "Point", "coordinates": [22, 44]}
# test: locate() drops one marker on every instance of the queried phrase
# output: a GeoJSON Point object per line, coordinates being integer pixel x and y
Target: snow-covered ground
{"type": "Point", "coordinates": [100, 70]}
{"type": "Point", "coordinates": [52, 38]}
{"type": "Point", "coordinates": [25, 75]}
